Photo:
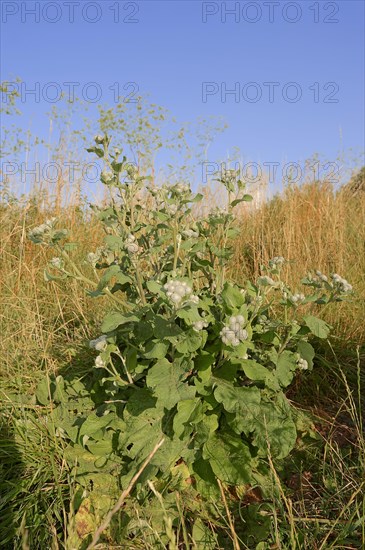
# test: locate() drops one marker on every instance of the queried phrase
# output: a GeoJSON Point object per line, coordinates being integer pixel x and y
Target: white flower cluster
{"type": "Point", "coordinates": [182, 188]}
{"type": "Point", "coordinates": [321, 277]}
{"type": "Point", "coordinates": [93, 258]}
{"type": "Point", "coordinates": [57, 263]}
{"type": "Point", "coordinates": [38, 233]}
{"type": "Point", "coordinates": [200, 325]}
{"type": "Point", "coordinates": [99, 344]}
{"type": "Point", "coordinates": [277, 261]}
{"type": "Point", "coordinates": [107, 176]}
{"type": "Point", "coordinates": [341, 283]}
{"type": "Point", "coordinates": [302, 363]}
{"type": "Point", "coordinates": [131, 169]}
{"type": "Point", "coordinates": [191, 234]}
{"type": "Point", "coordinates": [230, 176]}
{"type": "Point", "coordinates": [233, 333]}
{"type": "Point", "coordinates": [155, 191]}
{"type": "Point", "coordinates": [170, 208]}
{"type": "Point", "coordinates": [297, 298]}
{"type": "Point", "coordinates": [217, 214]}
{"type": "Point", "coordinates": [131, 245]}
{"type": "Point", "coordinates": [264, 321]}
{"type": "Point", "coordinates": [179, 291]}
{"type": "Point", "coordinates": [264, 280]}
{"type": "Point", "coordinates": [99, 362]}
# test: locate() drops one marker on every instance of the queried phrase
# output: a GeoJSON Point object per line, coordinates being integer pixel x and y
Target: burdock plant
{"type": "Point", "coordinates": [184, 353]}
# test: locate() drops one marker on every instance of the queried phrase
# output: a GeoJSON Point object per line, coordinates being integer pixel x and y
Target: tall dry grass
{"type": "Point", "coordinates": [42, 323]}
{"type": "Point", "coordinates": [315, 227]}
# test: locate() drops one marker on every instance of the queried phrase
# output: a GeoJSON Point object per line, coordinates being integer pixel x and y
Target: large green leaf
{"type": "Point", "coordinates": [107, 275]}
{"type": "Point", "coordinates": [205, 428]}
{"type": "Point", "coordinates": [189, 313]}
{"type": "Point", "coordinates": [275, 428]}
{"type": "Point", "coordinates": [94, 425]}
{"type": "Point", "coordinates": [229, 457]}
{"type": "Point", "coordinates": [318, 327]}
{"type": "Point", "coordinates": [189, 412]}
{"type": "Point", "coordinates": [307, 352]}
{"type": "Point", "coordinates": [115, 319]}
{"type": "Point", "coordinates": [189, 341]}
{"type": "Point", "coordinates": [100, 448]}
{"type": "Point", "coordinates": [242, 402]}
{"type": "Point", "coordinates": [253, 370]}
{"type": "Point", "coordinates": [164, 328]}
{"type": "Point", "coordinates": [154, 286]}
{"type": "Point", "coordinates": [232, 296]}
{"type": "Point", "coordinates": [114, 242]}
{"type": "Point", "coordinates": [171, 451]}
{"type": "Point", "coordinates": [166, 381]}
{"type": "Point", "coordinates": [206, 481]}
{"type": "Point", "coordinates": [286, 366]}
{"type": "Point", "coordinates": [156, 350]}
{"type": "Point", "coordinates": [143, 425]}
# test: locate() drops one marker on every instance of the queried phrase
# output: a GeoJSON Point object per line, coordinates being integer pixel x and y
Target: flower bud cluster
{"type": "Point", "coordinates": [181, 188]}
{"type": "Point", "coordinates": [217, 215]}
{"type": "Point", "coordinates": [264, 321]}
{"type": "Point", "coordinates": [99, 139]}
{"type": "Point", "coordinates": [191, 234]}
{"type": "Point", "coordinates": [108, 176]}
{"type": "Point", "coordinates": [99, 344]}
{"type": "Point", "coordinates": [276, 262]}
{"type": "Point", "coordinates": [297, 298]}
{"type": "Point", "coordinates": [100, 363]}
{"type": "Point", "coordinates": [42, 232]}
{"type": "Point", "coordinates": [302, 363]}
{"type": "Point", "coordinates": [131, 245]}
{"type": "Point", "coordinates": [154, 191]}
{"type": "Point", "coordinates": [170, 208]}
{"type": "Point", "coordinates": [177, 291]}
{"type": "Point", "coordinates": [255, 301]}
{"type": "Point", "coordinates": [229, 175]}
{"type": "Point", "coordinates": [341, 283]}
{"type": "Point", "coordinates": [233, 333]}
{"type": "Point", "coordinates": [57, 263]}
{"type": "Point", "coordinates": [132, 171]}
{"type": "Point", "coordinates": [200, 325]}
{"type": "Point", "coordinates": [93, 257]}
{"type": "Point", "coordinates": [264, 280]}
{"type": "Point", "coordinates": [321, 277]}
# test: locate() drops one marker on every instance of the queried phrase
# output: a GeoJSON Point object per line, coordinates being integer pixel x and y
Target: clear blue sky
{"type": "Point", "coordinates": [174, 47]}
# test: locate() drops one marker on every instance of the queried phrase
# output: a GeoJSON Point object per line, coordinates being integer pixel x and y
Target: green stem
{"type": "Point", "coordinates": [79, 276]}
{"type": "Point", "coordinates": [130, 379]}
{"type": "Point", "coordinates": [140, 285]}
{"type": "Point", "coordinates": [176, 246]}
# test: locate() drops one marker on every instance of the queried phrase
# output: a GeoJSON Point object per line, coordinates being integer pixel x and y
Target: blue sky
{"type": "Point", "coordinates": [171, 49]}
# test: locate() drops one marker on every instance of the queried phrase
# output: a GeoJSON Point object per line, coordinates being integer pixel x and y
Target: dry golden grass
{"type": "Point", "coordinates": [41, 323]}
{"type": "Point", "coordinates": [315, 228]}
